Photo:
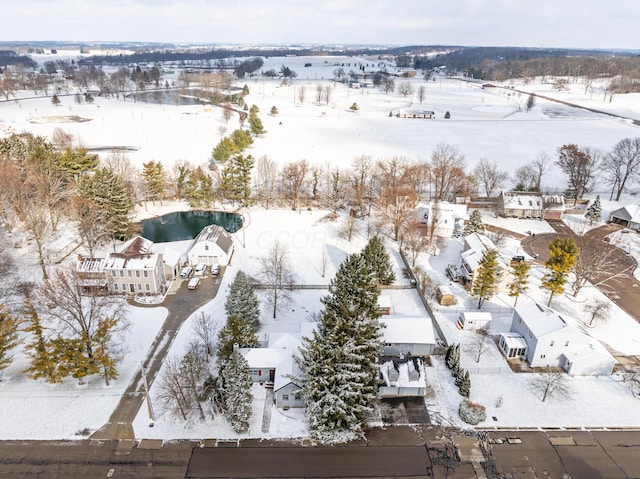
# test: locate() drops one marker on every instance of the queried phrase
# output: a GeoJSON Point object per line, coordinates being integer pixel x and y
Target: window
{"type": "Point", "coordinates": [297, 396]}
{"type": "Point", "coordinates": [113, 272]}
{"type": "Point", "coordinates": [542, 356]}
{"type": "Point", "coordinates": [129, 273]}
{"type": "Point", "coordinates": [285, 397]}
{"type": "Point", "coordinates": [146, 274]}
{"type": "Point", "coordinates": [121, 273]}
{"type": "Point", "coordinates": [139, 287]}
{"type": "Point", "coordinates": [206, 247]}
{"type": "Point", "coordinates": [530, 334]}
{"type": "Point", "coordinates": [147, 287]}
{"type": "Point", "coordinates": [115, 286]}
{"type": "Point", "coordinates": [124, 286]}
{"type": "Point", "coordinates": [137, 274]}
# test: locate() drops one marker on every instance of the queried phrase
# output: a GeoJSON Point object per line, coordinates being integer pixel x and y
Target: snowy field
{"type": "Point", "coordinates": [484, 123]}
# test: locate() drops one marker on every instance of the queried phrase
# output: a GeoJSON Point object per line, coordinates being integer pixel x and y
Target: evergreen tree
{"type": "Point", "coordinates": [448, 354]}
{"type": "Point", "coordinates": [242, 139]}
{"type": "Point", "coordinates": [563, 253]}
{"type": "Point", "coordinates": [594, 211]}
{"type": "Point", "coordinates": [460, 377]}
{"type": "Point", "coordinates": [376, 255]}
{"type": "Point", "coordinates": [245, 90]}
{"type": "Point", "coordinates": [242, 301]}
{"type": "Point", "coordinates": [155, 180]}
{"type": "Point", "coordinates": [55, 100]}
{"type": "Point", "coordinates": [8, 336]}
{"type": "Point", "coordinates": [465, 385]}
{"type": "Point", "coordinates": [224, 149]}
{"type": "Point", "coordinates": [235, 331]}
{"type": "Point", "coordinates": [254, 110]}
{"type": "Point", "coordinates": [43, 361]}
{"type": "Point", "coordinates": [354, 107]}
{"type": "Point", "coordinates": [255, 124]}
{"type": "Point", "coordinates": [453, 357]}
{"type": "Point", "coordinates": [198, 188]}
{"type": "Point", "coordinates": [484, 282]}
{"type": "Point", "coordinates": [475, 224]}
{"type": "Point", "coordinates": [75, 161]}
{"type": "Point", "coordinates": [235, 179]}
{"type": "Point", "coordinates": [109, 192]}
{"type": "Point", "coordinates": [520, 283]}
{"type": "Point", "coordinates": [238, 396]}
{"type": "Point", "coordinates": [274, 110]}
{"type": "Point", "coordinates": [531, 101]}
{"type": "Point", "coordinates": [447, 115]}
{"type": "Point", "coordinates": [340, 362]}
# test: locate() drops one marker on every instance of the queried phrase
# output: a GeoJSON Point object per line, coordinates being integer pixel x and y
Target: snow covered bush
{"type": "Point", "coordinates": [471, 412]}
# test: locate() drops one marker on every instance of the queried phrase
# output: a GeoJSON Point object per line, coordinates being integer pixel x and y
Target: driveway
{"type": "Point", "coordinates": [623, 290]}
{"type": "Point", "coordinates": [180, 305]}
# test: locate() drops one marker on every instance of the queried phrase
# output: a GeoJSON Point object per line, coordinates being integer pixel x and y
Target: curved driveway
{"type": "Point", "coordinates": [180, 305]}
{"type": "Point", "coordinates": [624, 290]}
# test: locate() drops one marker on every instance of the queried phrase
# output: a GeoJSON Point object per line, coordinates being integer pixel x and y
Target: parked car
{"type": "Point", "coordinates": [193, 283]}
{"type": "Point", "coordinates": [201, 269]}
{"type": "Point", "coordinates": [215, 269]}
{"type": "Point", "coordinates": [186, 272]}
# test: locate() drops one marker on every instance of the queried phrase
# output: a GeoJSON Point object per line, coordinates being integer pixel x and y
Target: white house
{"type": "Point", "coordinates": [213, 246]}
{"type": "Point", "coordinates": [449, 218]}
{"type": "Point", "coordinates": [527, 204]}
{"type": "Point", "coordinates": [628, 216]}
{"type": "Point", "coordinates": [475, 245]}
{"type": "Point", "coordinates": [135, 269]}
{"type": "Point", "coordinates": [403, 378]}
{"type": "Point", "coordinates": [551, 342]}
{"type": "Point", "coordinates": [287, 390]}
{"type": "Point", "coordinates": [407, 336]}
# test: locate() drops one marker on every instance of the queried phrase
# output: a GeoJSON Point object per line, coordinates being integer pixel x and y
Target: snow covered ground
{"type": "Point", "coordinates": [484, 123]}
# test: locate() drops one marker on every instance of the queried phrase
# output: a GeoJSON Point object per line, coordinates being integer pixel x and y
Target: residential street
{"type": "Point", "coordinates": [402, 451]}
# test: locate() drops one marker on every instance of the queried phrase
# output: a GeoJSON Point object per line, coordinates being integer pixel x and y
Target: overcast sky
{"type": "Point", "coordinates": [532, 23]}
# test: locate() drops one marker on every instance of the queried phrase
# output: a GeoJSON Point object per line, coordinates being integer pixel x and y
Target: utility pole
{"type": "Point", "coordinates": [152, 416]}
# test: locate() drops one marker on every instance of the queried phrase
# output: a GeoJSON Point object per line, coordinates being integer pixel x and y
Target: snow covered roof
{"type": "Point", "coordinates": [215, 234]}
{"type": "Point", "coordinates": [90, 265]}
{"type": "Point", "coordinates": [288, 367]}
{"type": "Point", "coordinates": [264, 357]}
{"type": "Point", "coordinates": [134, 254]}
{"type": "Point", "coordinates": [409, 330]}
{"type": "Point", "coordinates": [170, 256]}
{"type": "Point", "coordinates": [384, 301]}
{"type": "Point", "coordinates": [284, 341]}
{"type": "Point", "coordinates": [539, 319]}
{"type": "Point", "coordinates": [514, 340]}
{"type": "Point", "coordinates": [137, 245]}
{"type": "Point", "coordinates": [403, 380]}
{"type": "Point", "coordinates": [521, 199]}
{"type": "Point", "coordinates": [475, 245]}
{"type": "Point", "coordinates": [585, 351]}
{"type": "Point", "coordinates": [629, 212]}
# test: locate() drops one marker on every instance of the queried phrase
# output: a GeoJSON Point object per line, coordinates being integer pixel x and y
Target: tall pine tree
{"type": "Point", "coordinates": [520, 283]}
{"type": "Point", "coordinates": [8, 336]}
{"type": "Point", "coordinates": [377, 256]}
{"type": "Point", "coordinates": [238, 396]}
{"type": "Point", "coordinates": [563, 253]}
{"type": "Point", "coordinates": [340, 362]}
{"type": "Point", "coordinates": [484, 281]}
{"type": "Point", "coordinates": [594, 211]}
{"type": "Point", "coordinates": [242, 301]}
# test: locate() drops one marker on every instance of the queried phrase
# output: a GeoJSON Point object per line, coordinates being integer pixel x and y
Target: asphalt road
{"type": "Point", "coordinates": [394, 452]}
{"type": "Point", "coordinates": [180, 305]}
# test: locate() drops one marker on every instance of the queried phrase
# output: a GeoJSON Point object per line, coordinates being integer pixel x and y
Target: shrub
{"type": "Point", "coordinates": [471, 412]}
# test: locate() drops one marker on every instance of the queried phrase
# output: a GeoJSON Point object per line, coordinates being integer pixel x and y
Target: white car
{"type": "Point", "coordinates": [193, 283]}
{"type": "Point", "coordinates": [201, 269]}
{"type": "Point", "coordinates": [186, 272]}
{"type": "Point", "coordinates": [215, 269]}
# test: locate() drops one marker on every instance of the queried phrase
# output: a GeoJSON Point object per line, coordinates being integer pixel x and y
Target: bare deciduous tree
{"type": "Point", "coordinates": [326, 94]}
{"type": "Point", "coordinates": [266, 181]}
{"type": "Point", "coordinates": [277, 274]}
{"type": "Point", "coordinates": [598, 310]}
{"type": "Point", "coordinates": [92, 223]}
{"type": "Point", "coordinates": [349, 227]}
{"type": "Point", "coordinates": [301, 93]}
{"type": "Point", "coordinates": [414, 238]}
{"type": "Point", "coordinates": [206, 330]}
{"type": "Point", "coordinates": [490, 176]}
{"type": "Point", "coordinates": [422, 91]}
{"type": "Point", "coordinates": [292, 180]}
{"type": "Point", "coordinates": [447, 171]}
{"type": "Point", "coordinates": [580, 164]}
{"type": "Point", "coordinates": [541, 166]}
{"type": "Point", "coordinates": [551, 383]}
{"type": "Point", "coordinates": [405, 89]}
{"type": "Point", "coordinates": [360, 182]}
{"type": "Point", "coordinates": [480, 344]}
{"type": "Point", "coordinates": [37, 222]}
{"type": "Point", "coordinates": [595, 264]}
{"type": "Point", "coordinates": [622, 165]}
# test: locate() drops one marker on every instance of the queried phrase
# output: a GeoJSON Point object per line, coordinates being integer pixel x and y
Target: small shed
{"type": "Point", "coordinates": [473, 320]}
{"type": "Point", "coordinates": [588, 360]}
{"type": "Point", "coordinates": [444, 295]}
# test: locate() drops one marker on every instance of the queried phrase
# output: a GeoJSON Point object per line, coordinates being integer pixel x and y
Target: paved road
{"type": "Point", "coordinates": [180, 305]}
{"type": "Point", "coordinates": [401, 451]}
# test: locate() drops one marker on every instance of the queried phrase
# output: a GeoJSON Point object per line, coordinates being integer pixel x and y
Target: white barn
{"type": "Point", "coordinates": [213, 246]}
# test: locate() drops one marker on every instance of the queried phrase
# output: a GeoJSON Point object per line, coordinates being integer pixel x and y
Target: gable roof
{"type": "Point", "coordinates": [215, 234]}
{"type": "Point", "coordinates": [475, 245]}
{"type": "Point", "coordinates": [539, 319]}
{"type": "Point", "coordinates": [134, 254]}
{"type": "Point", "coordinates": [629, 212]}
